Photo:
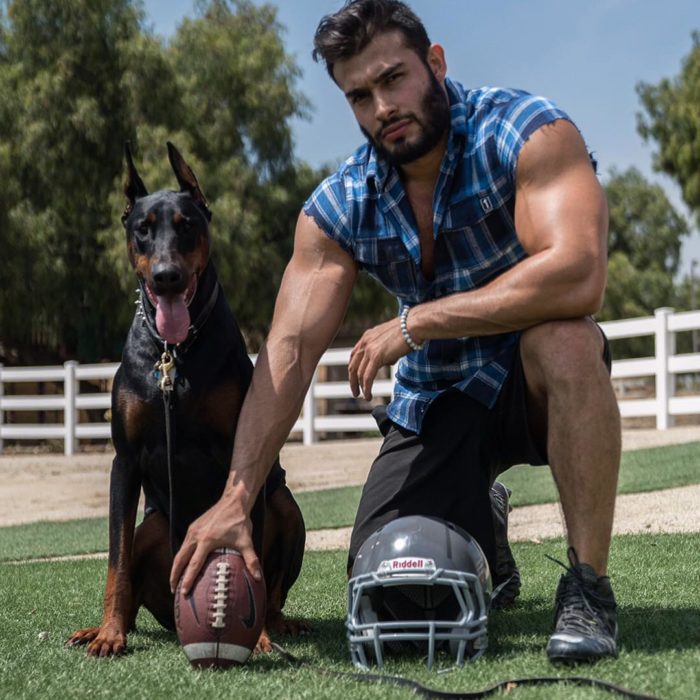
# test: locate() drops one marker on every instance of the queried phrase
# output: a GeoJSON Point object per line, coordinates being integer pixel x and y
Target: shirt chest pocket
{"type": "Point", "coordinates": [471, 211]}
{"type": "Point", "coordinates": [476, 245]}
{"type": "Point", "coordinates": [389, 262]}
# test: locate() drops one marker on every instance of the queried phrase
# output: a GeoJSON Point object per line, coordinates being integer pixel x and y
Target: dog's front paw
{"type": "Point", "coordinates": [83, 636]}
{"type": "Point", "coordinates": [100, 641]}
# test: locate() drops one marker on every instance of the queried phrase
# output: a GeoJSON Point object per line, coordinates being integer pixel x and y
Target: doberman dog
{"type": "Point", "coordinates": [175, 404]}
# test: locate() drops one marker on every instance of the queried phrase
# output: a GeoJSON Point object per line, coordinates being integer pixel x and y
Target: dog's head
{"type": "Point", "coordinates": [167, 236]}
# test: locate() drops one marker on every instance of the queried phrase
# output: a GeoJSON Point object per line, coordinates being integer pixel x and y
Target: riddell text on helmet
{"type": "Point", "coordinates": [407, 563]}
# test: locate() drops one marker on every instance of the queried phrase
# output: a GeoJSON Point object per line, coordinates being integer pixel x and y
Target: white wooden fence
{"type": "Point", "coordinates": [663, 367]}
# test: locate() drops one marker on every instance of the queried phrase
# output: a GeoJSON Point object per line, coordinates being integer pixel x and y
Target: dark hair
{"type": "Point", "coordinates": [348, 31]}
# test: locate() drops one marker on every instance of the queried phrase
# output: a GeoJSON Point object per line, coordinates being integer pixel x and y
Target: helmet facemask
{"type": "Point", "coordinates": [410, 602]}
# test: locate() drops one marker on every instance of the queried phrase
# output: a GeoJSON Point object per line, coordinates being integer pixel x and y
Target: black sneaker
{"type": "Point", "coordinates": [506, 577]}
{"type": "Point", "coordinates": [585, 615]}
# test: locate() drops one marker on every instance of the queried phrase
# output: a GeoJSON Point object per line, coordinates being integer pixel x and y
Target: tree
{"type": "Point", "coordinates": [644, 246]}
{"type": "Point", "coordinates": [77, 80]}
{"type": "Point", "coordinates": [644, 252]}
{"type": "Point", "coordinates": [63, 122]}
{"type": "Point", "coordinates": [672, 121]}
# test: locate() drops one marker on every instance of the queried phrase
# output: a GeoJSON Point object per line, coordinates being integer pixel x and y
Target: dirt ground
{"type": "Point", "coordinates": [54, 487]}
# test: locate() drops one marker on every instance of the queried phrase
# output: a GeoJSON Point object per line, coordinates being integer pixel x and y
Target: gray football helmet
{"type": "Point", "coordinates": [418, 583]}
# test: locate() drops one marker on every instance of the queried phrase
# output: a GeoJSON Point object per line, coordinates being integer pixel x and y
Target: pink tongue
{"type": "Point", "coordinates": [172, 319]}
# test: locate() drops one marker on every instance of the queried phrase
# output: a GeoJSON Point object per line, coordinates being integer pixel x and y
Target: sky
{"type": "Point", "coordinates": [587, 56]}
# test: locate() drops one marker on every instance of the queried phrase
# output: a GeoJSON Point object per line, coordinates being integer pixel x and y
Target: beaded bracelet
{"type": "Point", "coordinates": [404, 331]}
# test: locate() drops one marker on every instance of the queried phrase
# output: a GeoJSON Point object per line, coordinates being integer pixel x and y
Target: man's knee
{"type": "Point", "coordinates": [563, 351]}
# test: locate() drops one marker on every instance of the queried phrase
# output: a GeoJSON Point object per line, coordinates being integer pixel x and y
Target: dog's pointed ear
{"type": "Point", "coordinates": [133, 187]}
{"type": "Point", "coordinates": [187, 179]}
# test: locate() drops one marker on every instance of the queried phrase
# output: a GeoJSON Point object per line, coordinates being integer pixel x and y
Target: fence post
{"type": "Point", "coordinates": [665, 347]}
{"type": "Point", "coordinates": [2, 417]}
{"type": "Point", "coordinates": [69, 410]}
{"type": "Point", "coordinates": [309, 416]}
{"type": "Point", "coordinates": [392, 372]}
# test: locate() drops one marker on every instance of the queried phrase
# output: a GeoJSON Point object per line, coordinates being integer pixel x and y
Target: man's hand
{"type": "Point", "coordinates": [223, 525]}
{"type": "Point", "coordinates": [379, 346]}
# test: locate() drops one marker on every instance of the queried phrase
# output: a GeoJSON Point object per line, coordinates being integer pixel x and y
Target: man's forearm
{"type": "Point", "coordinates": [536, 290]}
{"type": "Point", "coordinates": [271, 407]}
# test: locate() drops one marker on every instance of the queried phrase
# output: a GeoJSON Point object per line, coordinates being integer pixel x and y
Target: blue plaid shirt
{"type": "Point", "coordinates": [364, 208]}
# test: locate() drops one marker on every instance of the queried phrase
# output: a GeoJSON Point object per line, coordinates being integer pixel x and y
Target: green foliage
{"type": "Point", "coordinates": [645, 241]}
{"type": "Point", "coordinates": [644, 226]}
{"type": "Point", "coordinates": [644, 249]}
{"type": "Point", "coordinates": [80, 77]}
{"type": "Point", "coordinates": [671, 119]}
{"type": "Point", "coordinates": [77, 80]}
{"type": "Point", "coordinates": [61, 130]}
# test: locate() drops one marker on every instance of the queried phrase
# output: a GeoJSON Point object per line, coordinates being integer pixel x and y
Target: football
{"type": "Point", "coordinates": [219, 622]}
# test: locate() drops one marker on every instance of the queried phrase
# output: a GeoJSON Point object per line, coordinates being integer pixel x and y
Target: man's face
{"type": "Point", "coordinates": [398, 102]}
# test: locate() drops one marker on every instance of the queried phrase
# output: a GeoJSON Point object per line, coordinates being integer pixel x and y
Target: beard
{"type": "Point", "coordinates": [433, 120]}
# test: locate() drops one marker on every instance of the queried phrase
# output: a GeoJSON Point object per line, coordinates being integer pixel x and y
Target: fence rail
{"type": "Point", "coordinates": [663, 368]}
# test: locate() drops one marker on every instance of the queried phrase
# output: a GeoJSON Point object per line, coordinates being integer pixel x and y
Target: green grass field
{"type": "Point", "coordinates": [656, 580]}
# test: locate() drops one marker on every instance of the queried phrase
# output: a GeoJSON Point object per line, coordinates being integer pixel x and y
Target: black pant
{"type": "Point", "coordinates": [447, 470]}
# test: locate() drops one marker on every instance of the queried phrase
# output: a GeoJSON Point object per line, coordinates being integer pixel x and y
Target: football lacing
{"type": "Point", "coordinates": [218, 611]}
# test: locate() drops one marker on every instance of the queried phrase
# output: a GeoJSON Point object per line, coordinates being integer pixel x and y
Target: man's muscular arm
{"type": "Point", "coordinates": [561, 219]}
{"type": "Point", "coordinates": [310, 307]}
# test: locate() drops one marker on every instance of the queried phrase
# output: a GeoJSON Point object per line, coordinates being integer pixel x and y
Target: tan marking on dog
{"type": "Point", "coordinates": [141, 263]}
{"type": "Point", "coordinates": [137, 415]}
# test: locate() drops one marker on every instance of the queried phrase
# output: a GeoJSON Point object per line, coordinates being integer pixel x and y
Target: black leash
{"type": "Point", "coordinates": [426, 692]}
{"type": "Point", "coordinates": [171, 490]}
{"type": "Point", "coordinates": [166, 369]}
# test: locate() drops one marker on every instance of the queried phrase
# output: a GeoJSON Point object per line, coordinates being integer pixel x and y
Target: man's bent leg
{"type": "Point", "coordinates": [573, 404]}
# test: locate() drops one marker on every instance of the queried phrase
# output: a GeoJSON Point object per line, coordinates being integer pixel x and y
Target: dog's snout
{"type": "Point", "coordinates": [167, 276]}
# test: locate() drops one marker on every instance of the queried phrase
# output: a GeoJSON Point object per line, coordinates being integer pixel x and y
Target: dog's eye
{"type": "Point", "coordinates": [187, 229]}
{"type": "Point", "coordinates": [141, 235]}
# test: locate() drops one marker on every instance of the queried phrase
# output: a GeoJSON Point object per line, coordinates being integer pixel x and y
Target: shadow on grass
{"type": "Point", "coordinates": [653, 629]}
{"type": "Point", "coordinates": [326, 640]}
{"type": "Point", "coordinates": [523, 629]}
{"type": "Point", "coordinates": [154, 635]}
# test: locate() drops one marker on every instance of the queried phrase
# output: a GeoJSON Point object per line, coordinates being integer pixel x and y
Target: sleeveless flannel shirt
{"type": "Point", "coordinates": [364, 208]}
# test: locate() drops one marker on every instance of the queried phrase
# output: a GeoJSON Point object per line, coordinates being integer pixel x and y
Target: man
{"type": "Point", "coordinates": [481, 212]}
